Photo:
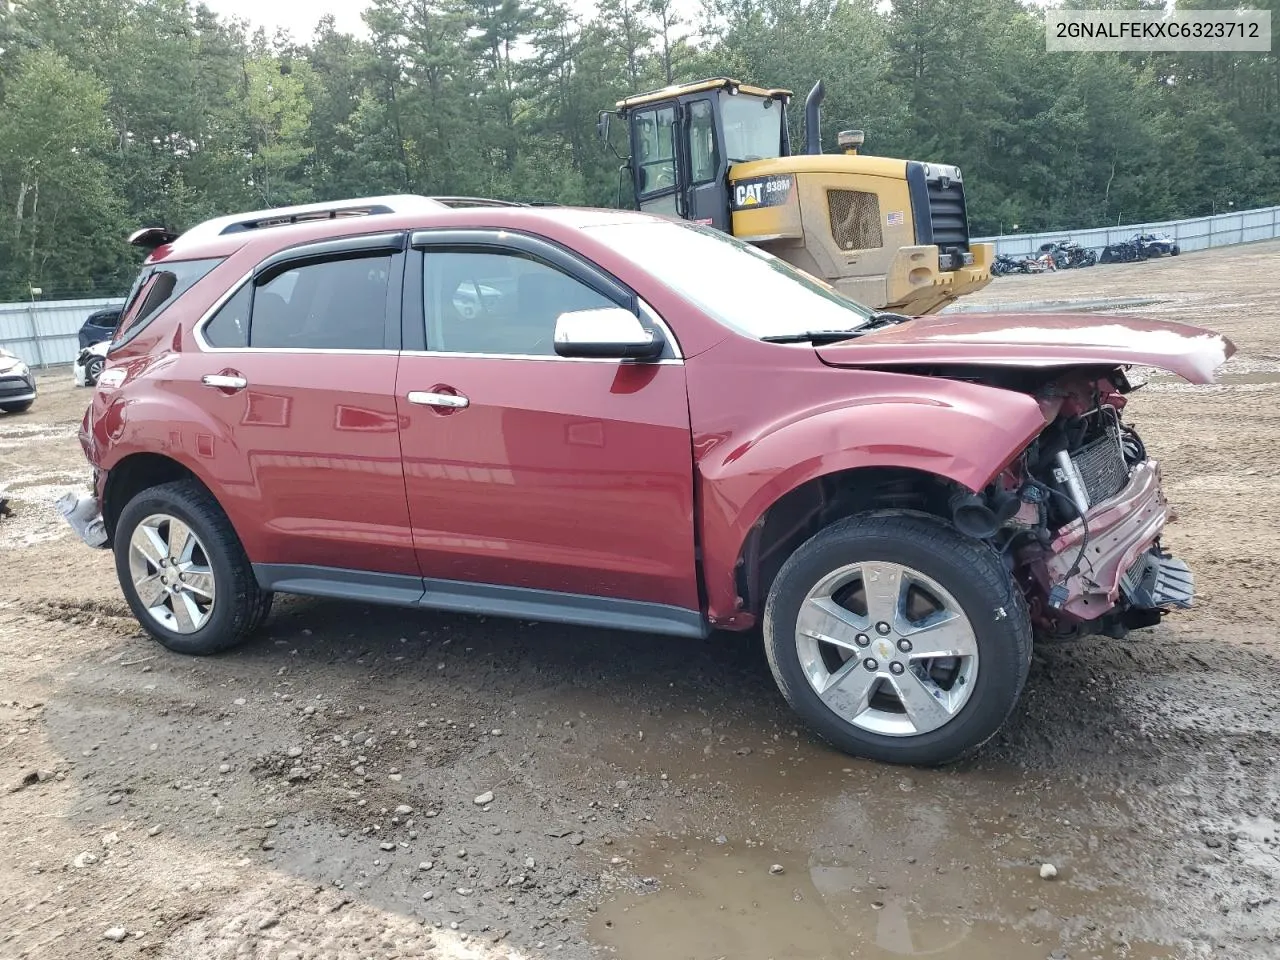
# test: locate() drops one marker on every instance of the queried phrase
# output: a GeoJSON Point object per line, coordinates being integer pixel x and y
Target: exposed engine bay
{"type": "Point", "coordinates": [1078, 516]}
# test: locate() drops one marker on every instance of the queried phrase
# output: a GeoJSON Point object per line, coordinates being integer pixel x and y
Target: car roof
{"type": "Point", "coordinates": [225, 236]}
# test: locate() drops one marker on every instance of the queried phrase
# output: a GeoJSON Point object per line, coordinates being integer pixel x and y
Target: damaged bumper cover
{"type": "Point", "coordinates": [1119, 556]}
{"type": "Point", "coordinates": [82, 512]}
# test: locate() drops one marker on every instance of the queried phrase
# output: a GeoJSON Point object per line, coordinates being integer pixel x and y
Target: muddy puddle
{"type": "Point", "coordinates": [716, 902]}
{"type": "Point", "coordinates": [880, 862]}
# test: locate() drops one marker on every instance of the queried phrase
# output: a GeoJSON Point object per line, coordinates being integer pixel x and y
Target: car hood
{"type": "Point", "coordinates": [1037, 340]}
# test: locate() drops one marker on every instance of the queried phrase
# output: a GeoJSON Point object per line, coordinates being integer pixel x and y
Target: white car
{"type": "Point", "coordinates": [88, 366]}
{"type": "Point", "coordinates": [17, 385]}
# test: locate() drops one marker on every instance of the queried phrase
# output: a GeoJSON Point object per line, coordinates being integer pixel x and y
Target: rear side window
{"type": "Point", "coordinates": [157, 286]}
{"type": "Point", "coordinates": [333, 305]}
{"type": "Point", "coordinates": [229, 327]}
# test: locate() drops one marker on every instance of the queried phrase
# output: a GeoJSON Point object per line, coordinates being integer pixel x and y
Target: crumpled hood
{"type": "Point", "coordinates": [1037, 340]}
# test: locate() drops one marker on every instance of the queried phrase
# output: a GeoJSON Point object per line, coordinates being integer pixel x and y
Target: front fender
{"type": "Point", "coordinates": [962, 432]}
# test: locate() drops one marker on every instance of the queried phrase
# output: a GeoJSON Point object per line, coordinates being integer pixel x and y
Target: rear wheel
{"type": "Point", "coordinates": [184, 572]}
{"type": "Point", "coordinates": [898, 639]}
{"type": "Point", "coordinates": [93, 370]}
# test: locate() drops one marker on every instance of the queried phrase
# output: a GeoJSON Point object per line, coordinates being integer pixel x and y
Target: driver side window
{"type": "Point", "coordinates": [505, 304]}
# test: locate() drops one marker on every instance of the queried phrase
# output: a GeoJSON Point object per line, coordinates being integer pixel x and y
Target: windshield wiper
{"type": "Point", "coordinates": [814, 336]}
{"type": "Point", "coordinates": [881, 318]}
{"type": "Point", "coordinates": [884, 318]}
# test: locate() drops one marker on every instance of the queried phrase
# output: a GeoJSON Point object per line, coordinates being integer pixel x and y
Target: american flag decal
{"type": "Point", "coordinates": [895, 218]}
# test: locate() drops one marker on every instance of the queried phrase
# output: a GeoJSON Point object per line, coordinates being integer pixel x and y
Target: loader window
{"type": "Point", "coordinates": [752, 128]}
{"type": "Point", "coordinates": [655, 153]}
{"type": "Point", "coordinates": [702, 142]}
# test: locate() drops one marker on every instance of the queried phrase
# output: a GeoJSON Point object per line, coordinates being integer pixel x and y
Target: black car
{"type": "Point", "coordinates": [100, 326]}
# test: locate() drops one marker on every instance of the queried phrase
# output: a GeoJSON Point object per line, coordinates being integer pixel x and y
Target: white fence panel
{"type": "Point", "coordinates": [44, 332]}
{"type": "Point", "coordinates": [1196, 233]}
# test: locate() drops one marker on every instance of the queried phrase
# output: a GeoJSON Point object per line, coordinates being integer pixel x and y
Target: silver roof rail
{"type": "Point", "coordinates": [477, 202]}
{"type": "Point", "coordinates": [310, 212]}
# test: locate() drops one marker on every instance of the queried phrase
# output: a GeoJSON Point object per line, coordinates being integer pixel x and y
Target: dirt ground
{"type": "Point", "coordinates": [314, 794]}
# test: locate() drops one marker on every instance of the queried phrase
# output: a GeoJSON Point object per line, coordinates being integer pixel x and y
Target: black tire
{"type": "Point", "coordinates": [21, 407]}
{"type": "Point", "coordinates": [240, 604]}
{"type": "Point", "coordinates": [974, 575]}
{"type": "Point", "coordinates": [93, 370]}
{"type": "Point", "coordinates": [1175, 250]}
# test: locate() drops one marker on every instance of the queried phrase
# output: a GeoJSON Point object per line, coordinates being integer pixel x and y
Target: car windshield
{"type": "Point", "coordinates": [752, 128]}
{"type": "Point", "coordinates": [741, 286]}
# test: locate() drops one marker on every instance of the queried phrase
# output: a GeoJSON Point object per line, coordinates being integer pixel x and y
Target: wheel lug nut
{"type": "Point", "coordinates": [904, 646]}
{"type": "Point", "coordinates": [896, 668]}
{"type": "Point", "coordinates": [882, 629]}
{"type": "Point", "coordinates": [862, 640]}
{"type": "Point", "coordinates": [870, 664]}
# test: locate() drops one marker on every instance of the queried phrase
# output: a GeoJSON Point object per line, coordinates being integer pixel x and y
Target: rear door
{"type": "Point", "coordinates": [299, 364]}
{"type": "Point", "coordinates": [550, 480]}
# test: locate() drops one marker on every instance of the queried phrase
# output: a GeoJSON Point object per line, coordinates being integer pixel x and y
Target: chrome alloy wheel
{"type": "Point", "coordinates": [887, 649]}
{"type": "Point", "coordinates": [171, 573]}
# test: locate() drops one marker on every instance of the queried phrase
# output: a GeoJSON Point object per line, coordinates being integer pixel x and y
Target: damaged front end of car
{"type": "Point", "coordinates": [1079, 515]}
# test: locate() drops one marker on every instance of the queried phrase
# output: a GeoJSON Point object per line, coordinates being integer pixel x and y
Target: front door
{"type": "Point", "coordinates": [553, 480]}
{"type": "Point", "coordinates": [706, 171]}
{"type": "Point", "coordinates": [679, 167]}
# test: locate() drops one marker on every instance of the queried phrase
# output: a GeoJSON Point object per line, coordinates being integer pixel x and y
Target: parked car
{"type": "Point", "coordinates": [17, 384]}
{"type": "Point", "coordinates": [89, 364]}
{"type": "Point", "coordinates": [98, 326]}
{"type": "Point", "coordinates": [1156, 245]}
{"type": "Point", "coordinates": [899, 504]}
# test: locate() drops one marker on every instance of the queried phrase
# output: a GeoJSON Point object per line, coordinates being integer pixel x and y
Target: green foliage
{"type": "Point", "coordinates": [117, 113]}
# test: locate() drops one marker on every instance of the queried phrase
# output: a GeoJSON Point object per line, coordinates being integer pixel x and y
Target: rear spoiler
{"type": "Point", "coordinates": [148, 238]}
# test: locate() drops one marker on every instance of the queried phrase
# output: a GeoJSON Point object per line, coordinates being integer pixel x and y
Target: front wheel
{"type": "Point", "coordinates": [184, 572]}
{"type": "Point", "coordinates": [898, 639]}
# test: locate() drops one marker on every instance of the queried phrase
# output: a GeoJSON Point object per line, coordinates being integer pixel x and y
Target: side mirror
{"type": "Point", "coordinates": [602, 131]}
{"type": "Point", "coordinates": [606, 332]}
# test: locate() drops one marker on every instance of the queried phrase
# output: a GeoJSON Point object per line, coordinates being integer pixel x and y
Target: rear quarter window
{"type": "Point", "coordinates": [157, 286]}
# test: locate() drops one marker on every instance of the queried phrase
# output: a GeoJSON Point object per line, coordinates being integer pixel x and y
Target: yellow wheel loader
{"type": "Point", "coordinates": [890, 234]}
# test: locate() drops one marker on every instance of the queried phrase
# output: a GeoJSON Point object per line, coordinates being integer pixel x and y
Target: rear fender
{"type": "Point", "coordinates": [167, 424]}
{"type": "Point", "coordinates": [961, 432]}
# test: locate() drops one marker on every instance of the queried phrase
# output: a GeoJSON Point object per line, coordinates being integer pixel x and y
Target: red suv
{"type": "Point", "coordinates": [614, 419]}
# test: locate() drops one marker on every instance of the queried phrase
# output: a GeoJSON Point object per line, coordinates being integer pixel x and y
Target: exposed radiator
{"type": "Point", "coordinates": [1101, 465]}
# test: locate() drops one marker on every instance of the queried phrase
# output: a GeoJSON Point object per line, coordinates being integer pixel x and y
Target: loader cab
{"type": "Point", "coordinates": [683, 140]}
